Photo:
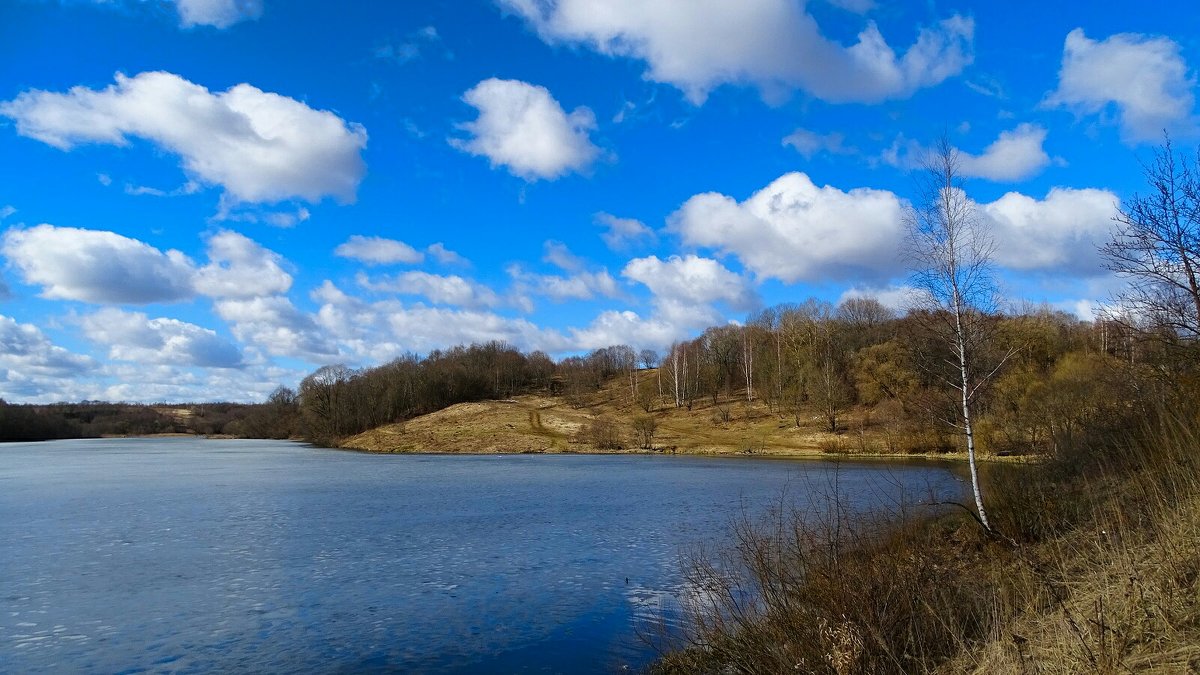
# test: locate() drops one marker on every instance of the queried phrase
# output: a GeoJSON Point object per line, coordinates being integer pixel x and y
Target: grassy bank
{"type": "Point", "coordinates": [612, 420]}
{"type": "Point", "coordinates": [1097, 570]}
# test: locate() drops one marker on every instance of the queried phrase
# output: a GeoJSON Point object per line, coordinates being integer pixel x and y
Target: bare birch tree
{"type": "Point", "coordinates": [950, 256]}
{"type": "Point", "coordinates": [748, 361]}
{"type": "Point", "coordinates": [678, 376]}
{"type": "Point", "coordinates": [629, 363]}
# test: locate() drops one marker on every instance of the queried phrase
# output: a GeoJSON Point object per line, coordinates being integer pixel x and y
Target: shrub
{"type": "Point", "coordinates": [644, 427]}
{"type": "Point", "coordinates": [723, 415]}
{"type": "Point", "coordinates": [602, 432]}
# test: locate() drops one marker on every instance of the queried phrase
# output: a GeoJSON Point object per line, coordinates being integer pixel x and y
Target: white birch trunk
{"type": "Point", "coordinates": [961, 348]}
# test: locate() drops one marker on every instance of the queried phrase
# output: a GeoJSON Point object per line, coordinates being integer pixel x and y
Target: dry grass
{"type": "Point", "coordinates": [1117, 588]}
{"type": "Point", "coordinates": [1109, 605]}
{"type": "Point", "coordinates": [1100, 573]}
{"type": "Point", "coordinates": [821, 591]}
{"type": "Point", "coordinates": [730, 426]}
{"type": "Point", "coordinates": [528, 424]}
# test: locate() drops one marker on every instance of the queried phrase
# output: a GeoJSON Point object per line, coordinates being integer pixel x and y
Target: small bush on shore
{"type": "Point", "coordinates": [603, 433]}
{"type": "Point", "coordinates": [644, 428]}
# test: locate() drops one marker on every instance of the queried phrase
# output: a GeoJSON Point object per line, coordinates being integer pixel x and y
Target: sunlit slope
{"type": "Point", "coordinates": [534, 423]}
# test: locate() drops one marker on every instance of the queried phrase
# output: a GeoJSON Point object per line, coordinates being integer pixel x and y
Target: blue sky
{"type": "Point", "coordinates": [203, 199]}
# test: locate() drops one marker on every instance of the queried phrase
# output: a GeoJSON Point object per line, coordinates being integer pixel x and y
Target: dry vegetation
{"type": "Point", "coordinates": [524, 424]}
{"type": "Point", "coordinates": [539, 423]}
{"type": "Point", "coordinates": [1098, 571]}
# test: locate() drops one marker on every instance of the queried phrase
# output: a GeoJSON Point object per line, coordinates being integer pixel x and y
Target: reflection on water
{"type": "Point", "coordinates": [186, 555]}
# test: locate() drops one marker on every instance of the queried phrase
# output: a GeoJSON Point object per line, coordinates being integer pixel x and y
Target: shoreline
{"type": "Point", "coordinates": [799, 453]}
{"type": "Point", "coordinates": [789, 455]}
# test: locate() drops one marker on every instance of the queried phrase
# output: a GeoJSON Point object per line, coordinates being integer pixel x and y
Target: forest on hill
{"type": "Point", "coordinates": [810, 364]}
{"type": "Point", "coordinates": [958, 370]}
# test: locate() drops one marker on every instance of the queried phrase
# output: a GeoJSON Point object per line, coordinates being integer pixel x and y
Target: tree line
{"type": "Point", "coordinates": [277, 418]}
{"type": "Point", "coordinates": [811, 363]}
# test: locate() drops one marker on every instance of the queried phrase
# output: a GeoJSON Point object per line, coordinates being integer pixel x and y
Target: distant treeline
{"type": "Point", "coordinates": [336, 401]}
{"type": "Point", "coordinates": [278, 418]}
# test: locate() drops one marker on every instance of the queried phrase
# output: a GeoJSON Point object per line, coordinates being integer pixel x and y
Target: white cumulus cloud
{"type": "Point", "coordinates": [378, 251]}
{"type": "Point", "coordinates": [259, 146]}
{"type": "Point", "coordinates": [1144, 78]}
{"type": "Point", "coordinates": [626, 327]}
{"type": "Point", "coordinates": [556, 253]}
{"type": "Point", "coordinates": [278, 327]}
{"type": "Point", "coordinates": [449, 289]}
{"type": "Point", "coordinates": [810, 143]}
{"type": "Point", "coordinates": [685, 294]}
{"type": "Point", "coordinates": [388, 328]}
{"type": "Point", "coordinates": [690, 279]}
{"type": "Point", "coordinates": [32, 368]}
{"type": "Point", "coordinates": [792, 230]}
{"type": "Point", "coordinates": [581, 285]}
{"type": "Point", "coordinates": [1015, 155]}
{"type": "Point", "coordinates": [622, 233]}
{"type": "Point", "coordinates": [775, 45]}
{"type": "Point", "coordinates": [97, 266]}
{"type": "Point", "coordinates": [241, 268]}
{"type": "Point", "coordinates": [686, 291]}
{"type": "Point", "coordinates": [444, 255]}
{"type": "Point", "coordinates": [1059, 233]}
{"type": "Point", "coordinates": [523, 128]}
{"type": "Point", "coordinates": [23, 347]}
{"type": "Point", "coordinates": [132, 336]}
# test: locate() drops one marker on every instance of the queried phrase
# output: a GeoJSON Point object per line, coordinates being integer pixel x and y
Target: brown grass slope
{"type": "Point", "coordinates": [539, 423]}
{"type": "Point", "coordinates": [1120, 591]}
{"type": "Point", "coordinates": [526, 424]}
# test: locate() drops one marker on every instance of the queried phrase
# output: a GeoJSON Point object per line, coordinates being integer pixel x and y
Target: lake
{"type": "Point", "coordinates": [189, 555]}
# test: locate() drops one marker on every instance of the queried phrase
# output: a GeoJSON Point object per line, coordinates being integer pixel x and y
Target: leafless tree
{"type": "Point", "coordinates": [1156, 245]}
{"type": "Point", "coordinates": [650, 359]}
{"type": "Point", "coordinates": [950, 256]}
{"type": "Point", "coordinates": [643, 429]}
{"type": "Point", "coordinates": [325, 403]}
{"type": "Point", "coordinates": [678, 371]}
{"type": "Point", "coordinates": [748, 361]}
{"type": "Point", "coordinates": [831, 390]}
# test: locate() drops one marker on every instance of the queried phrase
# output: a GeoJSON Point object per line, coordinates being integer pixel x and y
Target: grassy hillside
{"type": "Point", "coordinates": [541, 423]}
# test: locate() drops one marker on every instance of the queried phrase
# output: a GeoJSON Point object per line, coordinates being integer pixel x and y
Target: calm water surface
{"type": "Point", "coordinates": [185, 555]}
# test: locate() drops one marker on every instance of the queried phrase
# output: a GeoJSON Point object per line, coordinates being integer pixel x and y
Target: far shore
{"type": "Point", "coordinates": [773, 453]}
{"type": "Point", "coordinates": [176, 434]}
